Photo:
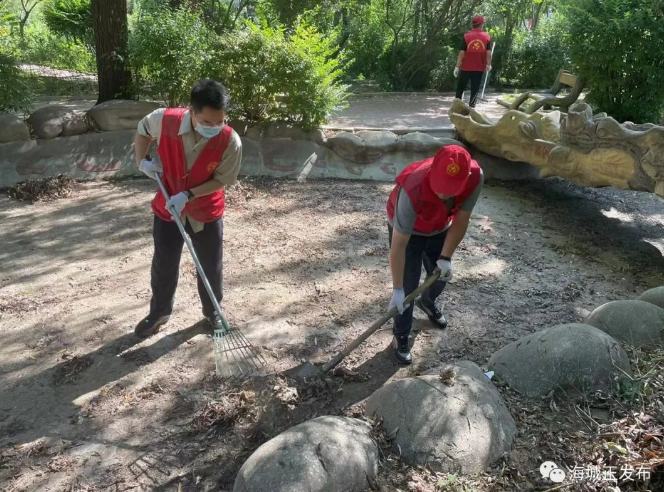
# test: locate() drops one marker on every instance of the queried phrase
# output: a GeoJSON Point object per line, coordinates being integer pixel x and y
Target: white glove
{"type": "Point", "coordinates": [445, 267]}
{"type": "Point", "coordinates": [150, 167]}
{"type": "Point", "coordinates": [456, 72]}
{"type": "Point", "coordinates": [488, 68]}
{"type": "Point", "coordinates": [398, 297]}
{"type": "Point", "coordinates": [176, 204]}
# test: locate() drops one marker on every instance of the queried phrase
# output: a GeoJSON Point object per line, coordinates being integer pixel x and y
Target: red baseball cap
{"type": "Point", "coordinates": [450, 170]}
{"type": "Point", "coordinates": [478, 20]}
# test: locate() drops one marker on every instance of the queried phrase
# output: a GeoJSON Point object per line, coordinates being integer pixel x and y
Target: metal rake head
{"type": "Point", "coordinates": [235, 357]}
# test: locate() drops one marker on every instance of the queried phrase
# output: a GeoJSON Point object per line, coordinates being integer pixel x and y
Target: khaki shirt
{"type": "Point", "coordinates": [226, 173]}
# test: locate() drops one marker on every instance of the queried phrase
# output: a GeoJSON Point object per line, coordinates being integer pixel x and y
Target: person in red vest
{"type": "Point", "coordinates": [428, 214]}
{"type": "Point", "coordinates": [473, 60]}
{"type": "Point", "coordinates": [200, 155]}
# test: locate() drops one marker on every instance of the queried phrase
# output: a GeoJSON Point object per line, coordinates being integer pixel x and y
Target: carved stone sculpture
{"type": "Point", "coordinates": [586, 149]}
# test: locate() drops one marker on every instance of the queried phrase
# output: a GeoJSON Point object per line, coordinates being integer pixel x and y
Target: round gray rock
{"type": "Point", "coordinates": [638, 323]}
{"type": "Point", "coordinates": [575, 358]}
{"type": "Point", "coordinates": [53, 121]}
{"type": "Point", "coordinates": [13, 129]}
{"type": "Point", "coordinates": [459, 424]}
{"type": "Point", "coordinates": [76, 123]}
{"type": "Point", "coordinates": [363, 147]}
{"type": "Point", "coordinates": [654, 296]}
{"type": "Point", "coordinates": [423, 142]}
{"type": "Point", "coordinates": [326, 454]}
{"type": "Point", "coordinates": [120, 114]}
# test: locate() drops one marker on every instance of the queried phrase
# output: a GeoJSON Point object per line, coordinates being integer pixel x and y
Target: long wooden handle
{"type": "Point", "coordinates": [373, 328]}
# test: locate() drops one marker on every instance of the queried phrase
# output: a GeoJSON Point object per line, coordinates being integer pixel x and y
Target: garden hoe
{"type": "Point", "coordinates": [311, 370]}
{"type": "Point", "coordinates": [235, 357]}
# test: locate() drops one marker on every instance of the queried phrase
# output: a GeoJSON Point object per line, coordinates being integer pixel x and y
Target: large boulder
{"type": "Point", "coordinates": [423, 142]}
{"type": "Point", "coordinates": [54, 121]}
{"type": "Point", "coordinates": [452, 421]}
{"type": "Point", "coordinates": [363, 147]}
{"type": "Point", "coordinates": [654, 296]}
{"type": "Point", "coordinates": [575, 358]}
{"type": "Point", "coordinates": [638, 323]}
{"type": "Point", "coordinates": [120, 114]}
{"type": "Point", "coordinates": [326, 454]}
{"type": "Point", "coordinates": [13, 129]}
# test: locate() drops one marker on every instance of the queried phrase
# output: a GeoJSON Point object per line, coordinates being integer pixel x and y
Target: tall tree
{"type": "Point", "coordinates": [27, 6]}
{"type": "Point", "coordinates": [109, 20]}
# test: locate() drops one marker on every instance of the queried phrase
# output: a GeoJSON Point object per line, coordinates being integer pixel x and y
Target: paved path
{"type": "Point", "coordinates": [410, 110]}
{"type": "Point", "coordinates": [390, 110]}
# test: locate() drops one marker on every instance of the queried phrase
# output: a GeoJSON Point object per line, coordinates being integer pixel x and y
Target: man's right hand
{"type": "Point", "coordinates": [150, 167]}
{"type": "Point", "coordinates": [398, 298]}
{"type": "Point", "coordinates": [456, 72]}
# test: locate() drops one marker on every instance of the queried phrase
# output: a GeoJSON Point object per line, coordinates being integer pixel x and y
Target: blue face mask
{"type": "Point", "coordinates": [208, 131]}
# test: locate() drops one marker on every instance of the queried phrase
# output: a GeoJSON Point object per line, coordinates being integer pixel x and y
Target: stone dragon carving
{"type": "Point", "coordinates": [586, 149]}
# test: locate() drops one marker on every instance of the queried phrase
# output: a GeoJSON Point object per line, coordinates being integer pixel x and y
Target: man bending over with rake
{"type": "Point", "coordinates": [200, 156]}
{"type": "Point", "coordinates": [428, 215]}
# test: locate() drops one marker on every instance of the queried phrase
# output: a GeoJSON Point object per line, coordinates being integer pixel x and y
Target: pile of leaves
{"type": "Point", "coordinates": [224, 411]}
{"type": "Point", "coordinates": [72, 367]}
{"type": "Point", "coordinates": [45, 189]}
{"type": "Point", "coordinates": [247, 189]}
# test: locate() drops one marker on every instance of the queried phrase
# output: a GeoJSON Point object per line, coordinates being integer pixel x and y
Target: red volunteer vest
{"type": "Point", "coordinates": [206, 208]}
{"type": "Point", "coordinates": [432, 214]}
{"type": "Point", "coordinates": [477, 45]}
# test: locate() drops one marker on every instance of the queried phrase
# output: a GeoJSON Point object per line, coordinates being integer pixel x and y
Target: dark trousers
{"type": "Point", "coordinates": [475, 82]}
{"type": "Point", "coordinates": [168, 244]}
{"type": "Point", "coordinates": [421, 250]}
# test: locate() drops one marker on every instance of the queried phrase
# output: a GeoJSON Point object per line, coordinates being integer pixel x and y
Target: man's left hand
{"type": "Point", "coordinates": [176, 204]}
{"type": "Point", "coordinates": [445, 267]}
{"type": "Point", "coordinates": [488, 68]}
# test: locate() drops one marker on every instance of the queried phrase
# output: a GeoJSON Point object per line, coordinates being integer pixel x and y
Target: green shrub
{"type": "Point", "coordinates": [71, 19]}
{"type": "Point", "coordinates": [14, 93]}
{"type": "Point", "coordinates": [277, 76]}
{"type": "Point", "coordinates": [169, 49]}
{"type": "Point", "coordinates": [368, 40]}
{"type": "Point", "coordinates": [40, 46]}
{"type": "Point", "coordinates": [442, 77]}
{"type": "Point", "coordinates": [537, 56]}
{"type": "Point", "coordinates": [617, 46]}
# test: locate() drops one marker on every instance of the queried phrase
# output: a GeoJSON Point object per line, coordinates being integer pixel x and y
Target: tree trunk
{"type": "Point", "coordinates": [109, 20]}
{"type": "Point", "coordinates": [539, 8]}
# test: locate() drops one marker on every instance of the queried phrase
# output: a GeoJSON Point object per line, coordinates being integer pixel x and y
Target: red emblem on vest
{"type": "Point", "coordinates": [212, 166]}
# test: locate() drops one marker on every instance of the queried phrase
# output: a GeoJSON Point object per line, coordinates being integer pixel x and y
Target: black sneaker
{"type": "Point", "coordinates": [435, 315]}
{"type": "Point", "coordinates": [150, 325]}
{"type": "Point", "coordinates": [402, 349]}
{"type": "Point", "coordinates": [215, 322]}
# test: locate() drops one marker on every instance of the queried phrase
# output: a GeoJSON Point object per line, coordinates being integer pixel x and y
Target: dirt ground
{"type": "Point", "coordinates": [85, 406]}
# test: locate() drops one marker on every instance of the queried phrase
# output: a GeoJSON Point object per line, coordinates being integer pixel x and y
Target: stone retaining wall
{"type": "Point", "coordinates": [98, 144]}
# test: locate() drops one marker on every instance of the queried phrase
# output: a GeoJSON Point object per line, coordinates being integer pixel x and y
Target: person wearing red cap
{"type": "Point", "coordinates": [473, 60]}
{"type": "Point", "coordinates": [428, 214]}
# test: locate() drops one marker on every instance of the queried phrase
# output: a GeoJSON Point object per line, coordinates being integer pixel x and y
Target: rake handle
{"type": "Point", "coordinates": [192, 251]}
{"type": "Point", "coordinates": [373, 328]}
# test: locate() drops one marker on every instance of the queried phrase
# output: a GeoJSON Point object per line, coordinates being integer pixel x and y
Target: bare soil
{"type": "Point", "coordinates": [85, 406]}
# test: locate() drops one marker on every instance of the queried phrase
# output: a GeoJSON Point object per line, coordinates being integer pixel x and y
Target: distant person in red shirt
{"type": "Point", "coordinates": [473, 60]}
